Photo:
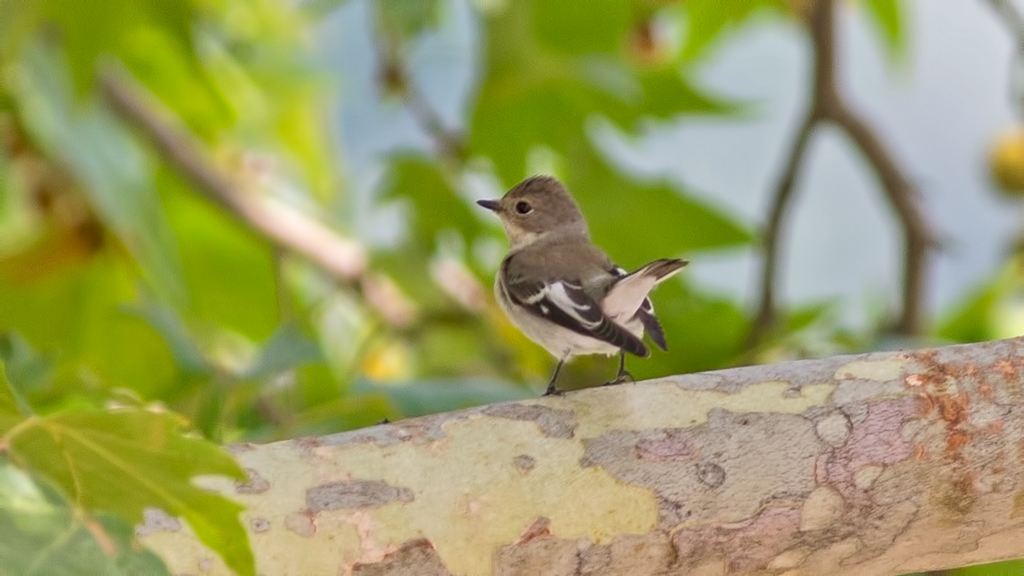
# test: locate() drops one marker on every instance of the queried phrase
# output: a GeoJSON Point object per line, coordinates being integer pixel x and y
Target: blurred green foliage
{"type": "Point", "coordinates": [121, 282]}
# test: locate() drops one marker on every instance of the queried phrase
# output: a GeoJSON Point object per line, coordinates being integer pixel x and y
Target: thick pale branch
{"type": "Point", "coordinates": [884, 463]}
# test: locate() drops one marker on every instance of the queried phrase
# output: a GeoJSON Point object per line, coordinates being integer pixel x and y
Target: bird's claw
{"type": "Point", "coordinates": [623, 376]}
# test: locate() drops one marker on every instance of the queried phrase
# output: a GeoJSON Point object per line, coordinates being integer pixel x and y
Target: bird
{"type": "Point", "coordinates": [562, 291]}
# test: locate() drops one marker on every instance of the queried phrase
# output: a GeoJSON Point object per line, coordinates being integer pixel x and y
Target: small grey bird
{"type": "Point", "coordinates": [561, 290]}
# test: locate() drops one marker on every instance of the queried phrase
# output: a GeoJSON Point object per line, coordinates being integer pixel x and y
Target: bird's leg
{"type": "Point", "coordinates": [552, 390]}
{"type": "Point", "coordinates": [623, 374]}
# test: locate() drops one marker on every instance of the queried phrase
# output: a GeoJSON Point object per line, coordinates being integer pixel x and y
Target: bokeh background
{"type": "Point", "coordinates": [259, 214]}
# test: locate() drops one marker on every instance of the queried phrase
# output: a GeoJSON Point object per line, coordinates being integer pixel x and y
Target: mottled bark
{"type": "Point", "coordinates": [884, 463]}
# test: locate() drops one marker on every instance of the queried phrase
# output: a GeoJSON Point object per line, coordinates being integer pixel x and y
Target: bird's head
{"type": "Point", "coordinates": [537, 207]}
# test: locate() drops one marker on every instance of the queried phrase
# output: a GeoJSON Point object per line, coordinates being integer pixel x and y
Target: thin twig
{"type": "Point", "coordinates": [283, 225]}
{"type": "Point", "coordinates": [1013, 18]}
{"type": "Point", "coordinates": [1011, 14]}
{"type": "Point", "coordinates": [903, 199]}
{"type": "Point", "coordinates": [781, 198]}
{"type": "Point", "coordinates": [828, 106]}
{"type": "Point", "coordinates": [393, 76]}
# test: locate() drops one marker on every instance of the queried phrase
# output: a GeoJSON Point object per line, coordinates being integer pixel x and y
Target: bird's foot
{"type": "Point", "coordinates": [552, 391]}
{"type": "Point", "coordinates": [623, 376]}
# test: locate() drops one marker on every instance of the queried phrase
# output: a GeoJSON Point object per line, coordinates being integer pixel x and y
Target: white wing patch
{"type": "Point", "coordinates": [558, 296]}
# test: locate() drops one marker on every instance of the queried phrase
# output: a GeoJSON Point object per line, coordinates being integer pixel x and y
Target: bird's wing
{"type": "Point", "coordinates": [565, 303]}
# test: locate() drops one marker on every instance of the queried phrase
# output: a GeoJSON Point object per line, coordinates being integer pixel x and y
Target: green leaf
{"type": "Point", "coordinates": [113, 170]}
{"type": "Point", "coordinates": [708, 19]}
{"type": "Point", "coordinates": [618, 208]}
{"type": "Point", "coordinates": [230, 272]}
{"type": "Point", "coordinates": [888, 16]}
{"type": "Point", "coordinates": [581, 26]}
{"type": "Point", "coordinates": [75, 317]}
{"type": "Point", "coordinates": [42, 535]}
{"type": "Point", "coordinates": [541, 92]}
{"type": "Point", "coordinates": [13, 408]}
{"type": "Point", "coordinates": [406, 18]}
{"type": "Point", "coordinates": [287, 348]}
{"type": "Point", "coordinates": [971, 320]}
{"type": "Point", "coordinates": [437, 205]}
{"type": "Point", "coordinates": [25, 365]}
{"type": "Point", "coordinates": [183, 348]}
{"type": "Point", "coordinates": [91, 30]}
{"type": "Point", "coordinates": [125, 461]}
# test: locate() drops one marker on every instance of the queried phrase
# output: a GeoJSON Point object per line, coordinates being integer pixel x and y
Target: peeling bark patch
{"type": "Point", "coordinates": [882, 370]}
{"type": "Point", "coordinates": [730, 470]}
{"type": "Point", "coordinates": [834, 428]}
{"type": "Point", "coordinates": [355, 494]}
{"type": "Point", "coordinates": [957, 495]}
{"type": "Point", "coordinates": [541, 555]}
{"type": "Point", "coordinates": [306, 443]}
{"type": "Point", "coordinates": [672, 445]}
{"type": "Point", "coordinates": [300, 523]}
{"type": "Point", "coordinates": [254, 483]}
{"type": "Point", "coordinates": [421, 430]}
{"type": "Point", "coordinates": [414, 558]}
{"type": "Point", "coordinates": [746, 546]}
{"type": "Point", "coordinates": [259, 524]}
{"type": "Point", "coordinates": [629, 554]}
{"type": "Point", "coordinates": [241, 447]}
{"type": "Point", "coordinates": [887, 525]}
{"type": "Point", "coordinates": [875, 440]}
{"type": "Point", "coordinates": [524, 462]}
{"type": "Point", "coordinates": [823, 508]}
{"type": "Point", "coordinates": [552, 422]}
{"type": "Point", "coordinates": [541, 526]}
{"type": "Point", "coordinates": [710, 474]}
{"type": "Point", "coordinates": [733, 380]}
{"type": "Point", "coordinates": [156, 520]}
{"type": "Point", "coordinates": [945, 389]}
{"type": "Point", "coordinates": [866, 476]}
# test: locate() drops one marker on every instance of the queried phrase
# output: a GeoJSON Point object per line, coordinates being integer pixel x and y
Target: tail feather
{"type": "Point", "coordinates": [627, 294]}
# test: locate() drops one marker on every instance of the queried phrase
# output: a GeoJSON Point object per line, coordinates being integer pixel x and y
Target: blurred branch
{"type": "Point", "coordinates": [1013, 18]}
{"type": "Point", "coordinates": [828, 106]}
{"type": "Point", "coordinates": [287, 228]}
{"type": "Point", "coordinates": [393, 77]}
{"type": "Point", "coordinates": [766, 314]}
{"type": "Point", "coordinates": [283, 225]}
{"type": "Point", "coordinates": [1011, 15]}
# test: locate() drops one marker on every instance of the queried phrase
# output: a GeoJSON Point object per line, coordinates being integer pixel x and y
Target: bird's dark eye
{"type": "Point", "coordinates": [523, 207]}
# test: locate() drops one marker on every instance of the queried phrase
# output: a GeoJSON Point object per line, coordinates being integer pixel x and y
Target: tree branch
{"type": "Point", "coordinates": [828, 106]}
{"type": "Point", "coordinates": [393, 77]}
{"type": "Point", "coordinates": [284, 226]}
{"type": "Point", "coordinates": [903, 199]}
{"type": "Point", "coordinates": [766, 315]}
{"type": "Point", "coordinates": [883, 463]}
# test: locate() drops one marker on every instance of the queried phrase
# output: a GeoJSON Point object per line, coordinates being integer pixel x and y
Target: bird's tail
{"type": "Point", "coordinates": [628, 293]}
{"type": "Point", "coordinates": [661, 270]}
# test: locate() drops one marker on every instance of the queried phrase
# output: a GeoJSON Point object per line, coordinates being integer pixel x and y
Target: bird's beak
{"type": "Point", "coordinates": [492, 205]}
